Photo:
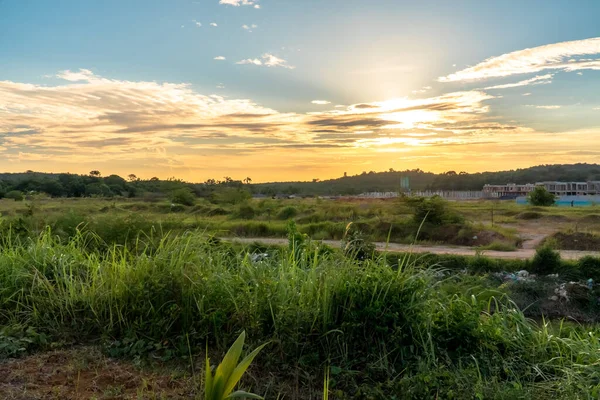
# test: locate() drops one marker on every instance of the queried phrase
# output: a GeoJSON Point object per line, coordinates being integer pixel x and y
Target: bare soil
{"type": "Point", "coordinates": [85, 373]}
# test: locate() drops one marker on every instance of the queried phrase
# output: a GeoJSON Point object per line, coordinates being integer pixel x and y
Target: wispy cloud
{"type": "Point", "coordinates": [320, 102]}
{"type": "Point", "coordinates": [422, 90]}
{"type": "Point", "coordinates": [238, 3]}
{"type": "Point", "coordinates": [213, 24]}
{"type": "Point", "coordinates": [526, 94]}
{"type": "Point", "coordinates": [558, 56]}
{"type": "Point", "coordinates": [551, 107]}
{"type": "Point", "coordinates": [267, 60]}
{"type": "Point", "coordinates": [219, 58]}
{"type": "Point", "coordinates": [198, 24]}
{"type": "Point", "coordinates": [536, 80]}
{"type": "Point", "coordinates": [254, 61]}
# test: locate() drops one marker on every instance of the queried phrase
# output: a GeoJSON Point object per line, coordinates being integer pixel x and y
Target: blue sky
{"type": "Point", "coordinates": [341, 52]}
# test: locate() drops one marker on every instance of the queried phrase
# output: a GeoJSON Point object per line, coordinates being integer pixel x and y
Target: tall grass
{"type": "Point", "coordinates": [387, 330]}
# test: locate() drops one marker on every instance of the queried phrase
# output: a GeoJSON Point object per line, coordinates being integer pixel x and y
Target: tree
{"type": "Point", "coordinates": [95, 173]}
{"type": "Point", "coordinates": [541, 197]}
{"type": "Point", "coordinates": [248, 180]}
{"type": "Point", "coordinates": [132, 177]}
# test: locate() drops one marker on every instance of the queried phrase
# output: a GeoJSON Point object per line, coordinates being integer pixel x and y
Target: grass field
{"type": "Point", "coordinates": [146, 289]}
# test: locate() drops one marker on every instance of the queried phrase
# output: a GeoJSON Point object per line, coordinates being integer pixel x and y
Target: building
{"type": "Point", "coordinates": [507, 191]}
{"type": "Point", "coordinates": [512, 190]}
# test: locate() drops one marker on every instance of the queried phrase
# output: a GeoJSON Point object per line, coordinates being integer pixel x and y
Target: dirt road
{"type": "Point", "coordinates": [456, 250]}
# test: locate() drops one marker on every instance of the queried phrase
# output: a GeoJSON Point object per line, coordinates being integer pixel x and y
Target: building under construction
{"type": "Point", "coordinates": [513, 190]}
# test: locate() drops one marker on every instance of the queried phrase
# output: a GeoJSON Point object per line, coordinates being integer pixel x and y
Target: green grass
{"type": "Point", "coordinates": [383, 330]}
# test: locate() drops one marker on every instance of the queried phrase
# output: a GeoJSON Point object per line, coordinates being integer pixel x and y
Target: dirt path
{"type": "Point", "coordinates": [456, 250]}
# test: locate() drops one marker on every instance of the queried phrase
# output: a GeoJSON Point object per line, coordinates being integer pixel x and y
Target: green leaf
{"type": "Point", "coordinates": [236, 375]}
{"type": "Point", "coordinates": [244, 395]}
{"type": "Point", "coordinates": [207, 380]}
{"type": "Point", "coordinates": [230, 360]}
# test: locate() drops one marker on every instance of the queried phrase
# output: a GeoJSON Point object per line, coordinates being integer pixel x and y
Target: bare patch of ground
{"type": "Point", "coordinates": [85, 373]}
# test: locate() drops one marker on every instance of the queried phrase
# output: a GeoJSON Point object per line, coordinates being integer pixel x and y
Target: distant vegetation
{"type": "Point", "coordinates": [235, 191]}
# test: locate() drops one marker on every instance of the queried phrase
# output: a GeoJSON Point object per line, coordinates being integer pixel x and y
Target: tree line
{"type": "Point", "coordinates": [228, 189]}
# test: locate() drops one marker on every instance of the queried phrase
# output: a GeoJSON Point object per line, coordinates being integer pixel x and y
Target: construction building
{"type": "Point", "coordinates": [512, 190]}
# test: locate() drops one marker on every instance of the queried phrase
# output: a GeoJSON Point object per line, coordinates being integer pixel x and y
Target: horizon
{"type": "Point", "coordinates": [297, 91]}
{"type": "Point", "coordinates": [252, 181]}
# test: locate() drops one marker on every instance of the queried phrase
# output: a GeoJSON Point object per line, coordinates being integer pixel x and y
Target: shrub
{"type": "Point", "coordinates": [287, 213]}
{"type": "Point", "coordinates": [541, 197]}
{"type": "Point", "coordinates": [245, 211]}
{"type": "Point", "coordinates": [433, 210]}
{"type": "Point", "coordinates": [15, 195]}
{"type": "Point", "coordinates": [546, 261]}
{"type": "Point", "coordinates": [183, 196]}
{"type": "Point", "coordinates": [589, 267]}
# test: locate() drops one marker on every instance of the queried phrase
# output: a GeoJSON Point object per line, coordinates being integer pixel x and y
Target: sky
{"type": "Point", "coordinates": [286, 90]}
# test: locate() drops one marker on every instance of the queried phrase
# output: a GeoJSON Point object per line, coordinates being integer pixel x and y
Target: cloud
{"type": "Point", "coordinates": [526, 94]}
{"type": "Point", "coordinates": [237, 3]}
{"type": "Point", "coordinates": [198, 24]}
{"type": "Point", "coordinates": [267, 60]}
{"type": "Point", "coordinates": [254, 61]}
{"type": "Point", "coordinates": [559, 56]}
{"type": "Point", "coordinates": [166, 129]}
{"type": "Point", "coordinates": [249, 27]}
{"type": "Point", "coordinates": [422, 90]}
{"type": "Point", "coordinates": [81, 75]}
{"type": "Point", "coordinates": [536, 80]}
{"type": "Point", "coordinates": [257, 6]}
{"type": "Point", "coordinates": [320, 102]}
{"type": "Point", "coordinates": [551, 107]}
{"type": "Point", "coordinates": [213, 24]}
{"type": "Point", "coordinates": [220, 58]}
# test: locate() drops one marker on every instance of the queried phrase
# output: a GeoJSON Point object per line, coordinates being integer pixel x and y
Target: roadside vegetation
{"type": "Point", "coordinates": [380, 326]}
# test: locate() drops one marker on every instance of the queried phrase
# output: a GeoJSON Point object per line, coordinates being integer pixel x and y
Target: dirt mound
{"type": "Point", "coordinates": [577, 241]}
{"type": "Point", "coordinates": [591, 218]}
{"type": "Point", "coordinates": [557, 218]}
{"type": "Point", "coordinates": [529, 215]}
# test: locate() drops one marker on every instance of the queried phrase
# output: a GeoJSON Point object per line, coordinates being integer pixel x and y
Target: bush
{"type": "Point", "coordinates": [245, 211]}
{"type": "Point", "coordinates": [589, 267]}
{"type": "Point", "coordinates": [15, 195]}
{"type": "Point", "coordinates": [183, 196]}
{"type": "Point", "coordinates": [433, 210]}
{"type": "Point", "coordinates": [541, 197]}
{"type": "Point", "coordinates": [546, 261]}
{"type": "Point", "coordinates": [288, 212]}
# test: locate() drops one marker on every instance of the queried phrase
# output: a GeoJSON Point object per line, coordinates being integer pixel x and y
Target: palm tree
{"type": "Point", "coordinates": [247, 180]}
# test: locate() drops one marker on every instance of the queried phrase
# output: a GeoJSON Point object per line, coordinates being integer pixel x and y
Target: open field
{"type": "Point", "coordinates": [490, 225]}
{"type": "Point", "coordinates": [146, 288]}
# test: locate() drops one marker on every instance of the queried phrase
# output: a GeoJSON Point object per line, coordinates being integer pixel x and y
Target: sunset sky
{"type": "Point", "coordinates": [296, 89]}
